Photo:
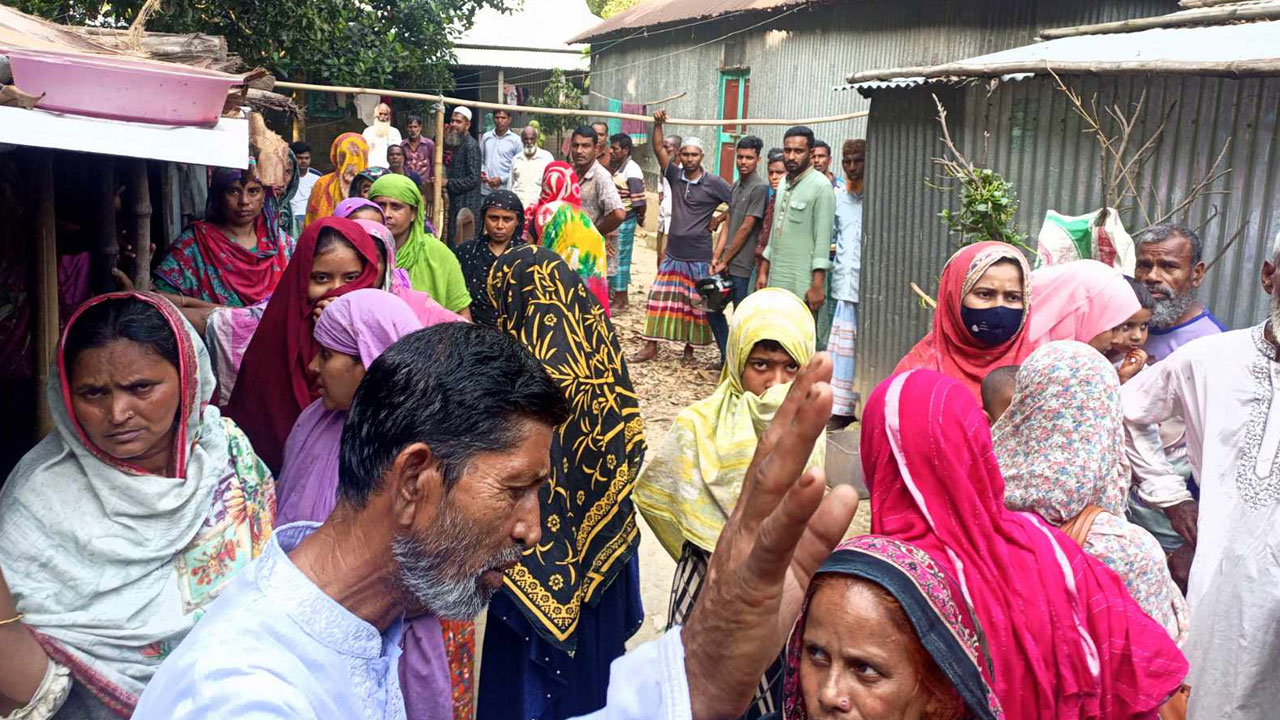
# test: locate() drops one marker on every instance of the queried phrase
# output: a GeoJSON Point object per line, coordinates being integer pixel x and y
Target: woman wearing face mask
{"type": "Point", "coordinates": [334, 256]}
{"type": "Point", "coordinates": [885, 633]}
{"type": "Point", "coordinates": [980, 323]}
{"type": "Point", "coordinates": [688, 488]}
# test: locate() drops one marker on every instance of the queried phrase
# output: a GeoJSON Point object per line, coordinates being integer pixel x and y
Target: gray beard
{"type": "Point", "coordinates": [434, 570]}
{"type": "Point", "coordinates": [452, 139]}
{"type": "Point", "coordinates": [1166, 312]}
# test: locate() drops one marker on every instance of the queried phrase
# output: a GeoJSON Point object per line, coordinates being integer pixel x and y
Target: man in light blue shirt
{"type": "Point", "coordinates": [434, 505]}
{"type": "Point", "coordinates": [498, 150]}
{"type": "Point", "coordinates": [844, 282]}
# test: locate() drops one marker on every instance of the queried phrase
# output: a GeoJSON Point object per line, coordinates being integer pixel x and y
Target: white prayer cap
{"type": "Point", "coordinates": [463, 110]}
{"type": "Point", "coordinates": [692, 142]}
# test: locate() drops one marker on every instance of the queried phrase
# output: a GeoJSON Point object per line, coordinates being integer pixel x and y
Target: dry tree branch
{"type": "Point", "coordinates": [924, 297]}
{"type": "Point", "coordinates": [1200, 188]}
{"type": "Point", "coordinates": [1223, 252]}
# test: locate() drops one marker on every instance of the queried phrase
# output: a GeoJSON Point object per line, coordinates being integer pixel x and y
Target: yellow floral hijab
{"type": "Point", "coordinates": [689, 487]}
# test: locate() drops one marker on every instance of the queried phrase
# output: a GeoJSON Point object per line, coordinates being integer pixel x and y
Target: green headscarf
{"type": "Point", "coordinates": [432, 266]}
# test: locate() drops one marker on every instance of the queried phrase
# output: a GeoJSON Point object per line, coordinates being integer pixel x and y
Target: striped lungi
{"type": "Point", "coordinates": [844, 334]}
{"type": "Point", "coordinates": [670, 313]}
{"type": "Point", "coordinates": [691, 573]}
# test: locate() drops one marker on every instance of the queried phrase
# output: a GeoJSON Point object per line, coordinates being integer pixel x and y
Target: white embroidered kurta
{"type": "Point", "coordinates": [1225, 389]}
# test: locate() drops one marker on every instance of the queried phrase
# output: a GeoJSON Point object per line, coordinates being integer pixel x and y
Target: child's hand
{"type": "Point", "coordinates": [1134, 360]}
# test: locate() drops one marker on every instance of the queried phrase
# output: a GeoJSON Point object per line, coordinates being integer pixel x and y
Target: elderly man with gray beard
{"type": "Point", "coordinates": [444, 452]}
{"type": "Point", "coordinates": [1226, 389]}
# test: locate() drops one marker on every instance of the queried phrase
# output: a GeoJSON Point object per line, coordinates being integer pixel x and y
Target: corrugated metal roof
{"type": "Point", "coordinates": [663, 12]}
{"type": "Point", "coordinates": [1223, 50]}
{"type": "Point", "coordinates": [537, 36]}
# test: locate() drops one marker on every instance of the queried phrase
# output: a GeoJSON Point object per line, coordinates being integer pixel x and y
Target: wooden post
{"type": "Point", "coordinates": [168, 217]}
{"type": "Point", "coordinates": [140, 196]}
{"type": "Point", "coordinates": [106, 247]}
{"type": "Point", "coordinates": [299, 124]}
{"type": "Point", "coordinates": [437, 197]}
{"type": "Point", "coordinates": [44, 308]}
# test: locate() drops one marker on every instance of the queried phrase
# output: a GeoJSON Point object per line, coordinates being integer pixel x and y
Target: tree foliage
{"type": "Point", "coordinates": [377, 43]}
{"type": "Point", "coordinates": [560, 92]}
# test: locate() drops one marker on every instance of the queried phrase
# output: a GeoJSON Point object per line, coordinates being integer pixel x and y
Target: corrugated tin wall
{"type": "Point", "coordinates": [1031, 135]}
{"type": "Point", "coordinates": [796, 58]}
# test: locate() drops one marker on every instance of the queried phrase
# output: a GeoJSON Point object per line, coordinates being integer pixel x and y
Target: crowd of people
{"type": "Point", "coordinates": [286, 483]}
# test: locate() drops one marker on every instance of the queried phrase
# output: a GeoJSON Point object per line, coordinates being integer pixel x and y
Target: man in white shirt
{"type": "Point", "coordinates": [307, 177]}
{"type": "Point", "coordinates": [1226, 389]}
{"type": "Point", "coordinates": [528, 168]}
{"type": "Point", "coordinates": [498, 148]}
{"type": "Point", "coordinates": [380, 136]}
{"type": "Point", "coordinates": [425, 522]}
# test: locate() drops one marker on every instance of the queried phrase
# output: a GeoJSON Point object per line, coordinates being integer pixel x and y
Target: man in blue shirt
{"type": "Point", "coordinates": [844, 282]}
{"type": "Point", "coordinates": [432, 506]}
{"type": "Point", "coordinates": [498, 148]}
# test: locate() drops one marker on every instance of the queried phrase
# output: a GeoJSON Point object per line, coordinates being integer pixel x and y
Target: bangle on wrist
{"type": "Point", "coordinates": [13, 619]}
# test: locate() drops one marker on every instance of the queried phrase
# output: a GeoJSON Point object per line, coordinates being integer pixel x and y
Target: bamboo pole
{"type": "Point", "coordinates": [1197, 16]}
{"type": "Point", "coordinates": [105, 251]}
{"type": "Point", "coordinates": [562, 112]}
{"type": "Point", "coordinates": [1234, 69]}
{"type": "Point", "coordinates": [1204, 3]}
{"type": "Point", "coordinates": [45, 305]}
{"type": "Point", "coordinates": [437, 190]}
{"type": "Point", "coordinates": [140, 197]}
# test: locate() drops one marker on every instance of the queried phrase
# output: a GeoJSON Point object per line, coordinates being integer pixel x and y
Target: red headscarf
{"type": "Point", "coordinates": [1066, 639]}
{"type": "Point", "coordinates": [559, 185]}
{"type": "Point", "coordinates": [273, 386]}
{"type": "Point", "coordinates": [949, 348]}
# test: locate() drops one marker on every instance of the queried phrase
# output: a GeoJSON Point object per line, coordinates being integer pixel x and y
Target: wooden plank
{"type": "Point", "coordinates": [44, 306]}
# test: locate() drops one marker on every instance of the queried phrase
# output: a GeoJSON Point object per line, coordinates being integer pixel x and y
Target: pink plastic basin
{"type": "Point", "coordinates": [122, 88]}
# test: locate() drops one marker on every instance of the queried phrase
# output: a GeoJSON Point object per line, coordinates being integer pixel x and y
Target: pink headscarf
{"type": "Point", "coordinates": [1066, 639]}
{"type": "Point", "coordinates": [559, 186]}
{"type": "Point", "coordinates": [350, 205]}
{"type": "Point", "coordinates": [1078, 301]}
{"type": "Point", "coordinates": [365, 323]}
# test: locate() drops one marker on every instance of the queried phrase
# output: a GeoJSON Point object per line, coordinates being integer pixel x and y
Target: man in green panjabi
{"type": "Point", "coordinates": [799, 253]}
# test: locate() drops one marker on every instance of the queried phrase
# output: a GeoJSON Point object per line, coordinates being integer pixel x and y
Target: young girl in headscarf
{"type": "Point", "coordinates": [687, 490]}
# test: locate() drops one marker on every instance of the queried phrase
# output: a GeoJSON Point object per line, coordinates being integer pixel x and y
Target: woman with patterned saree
{"type": "Point", "coordinates": [1061, 451]}
{"type": "Point", "coordinates": [885, 632]}
{"type": "Point", "coordinates": [124, 523]}
{"type": "Point", "coordinates": [688, 489]}
{"type": "Point", "coordinates": [558, 222]}
{"type": "Point", "coordinates": [570, 605]}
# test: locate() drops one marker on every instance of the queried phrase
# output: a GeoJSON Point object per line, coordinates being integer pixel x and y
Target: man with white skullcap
{"type": "Point", "coordinates": [672, 313]}
{"type": "Point", "coordinates": [462, 181]}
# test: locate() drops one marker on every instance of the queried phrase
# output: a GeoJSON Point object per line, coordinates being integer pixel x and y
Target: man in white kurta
{"type": "Point", "coordinates": [1225, 388]}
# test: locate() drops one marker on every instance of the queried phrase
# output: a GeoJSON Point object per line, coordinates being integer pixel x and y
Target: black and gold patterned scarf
{"type": "Point", "coordinates": [589, 528]}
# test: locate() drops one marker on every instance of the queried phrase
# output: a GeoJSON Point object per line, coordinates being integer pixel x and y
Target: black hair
{"type": "Point", "coordinates": [622, 140]}
{"type": "Point", "coordinates": [125, 318]}
{"type": "Point", "coordinates": [413, 119]}
{"type": "Point", "coordinates": [587, 132]}
{"type": "Point", "coordinates": [1168, 231]}
{"type": "Point", "coordinates": [751, 142]}
{"type": "Point", "coordinates": [998, 381]}
{"type": "Point", "coordinates": [600, 122]}
{"type": "Point", "coordinates": [800, 131]}
{"type": "Point", "coordinates": [299, 147]}
{"type": "Point", "coordinates": [770, 346]}
{"type": "Point", "coordinates": [678, 140]}
{"type": "Point", "coordinates": [1144, 295]}
{"type": "Point", "coordinates": [397, 147]}
{"type": "Point", "coordinates": [775, 155]}
{"type": "Point", "coordinates": [500, 110]}
{"type": "Point", "coordinates": [457, 387]}
{"type": "Point", "coordinates": [821, 144]}
{"type": "Point", "coordinates": [330, 239]}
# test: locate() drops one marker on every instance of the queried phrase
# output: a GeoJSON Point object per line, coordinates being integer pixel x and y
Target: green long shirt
{"type": "Point", "coordinates": [804, 215]}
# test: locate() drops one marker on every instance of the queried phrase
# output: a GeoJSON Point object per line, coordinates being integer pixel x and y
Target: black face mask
{"type": "Point", "coordinates": [992, 326]}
